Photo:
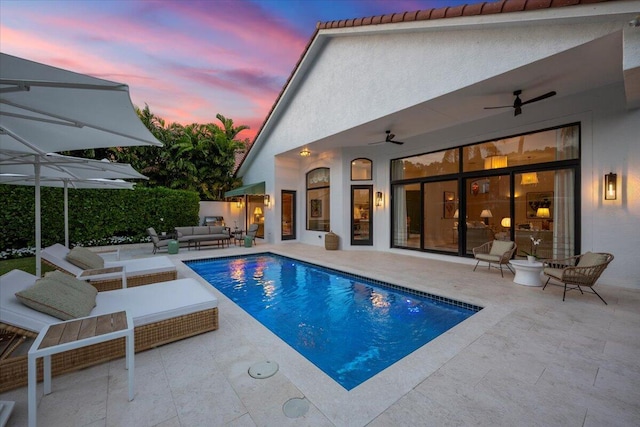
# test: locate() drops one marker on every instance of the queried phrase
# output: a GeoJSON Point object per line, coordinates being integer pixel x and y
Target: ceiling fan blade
{"type": "Point", "coordinates": [377, 143]}
{"type": "Point", "coordinates": [502, 106]}
{"type": "Point", "coordinates": [396, 142]}
{"type": "Point", "coordinates": [540, 98]}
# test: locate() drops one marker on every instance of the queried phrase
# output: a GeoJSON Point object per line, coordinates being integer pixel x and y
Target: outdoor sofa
{"type": "Point", "coordinates": [109, 275]}
{"type": "Point", "coordinates": [162, 313]}
{"type": "Point", "coordinates": [217, 234]}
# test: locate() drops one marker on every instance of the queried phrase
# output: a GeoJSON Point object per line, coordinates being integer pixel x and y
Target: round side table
{"type": "Point", "coordinates": [527, 273]}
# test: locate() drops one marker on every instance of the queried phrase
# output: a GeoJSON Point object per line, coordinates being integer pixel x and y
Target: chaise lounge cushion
{"type": "Point", "coordinates": [84, 258]}
{"type": "Point", "coordinates": [147, 304]}
{"type": "Point", "coordinates": [58, 298]}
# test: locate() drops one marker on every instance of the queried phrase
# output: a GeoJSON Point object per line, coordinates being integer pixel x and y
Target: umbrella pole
{"type": "Point", "coordinates": [36, 167]}
{"type": "Point", "coordinates": [66, 213]}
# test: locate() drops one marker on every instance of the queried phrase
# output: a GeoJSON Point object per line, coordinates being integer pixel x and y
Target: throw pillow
{"type": "Point", "coordinates": [56, 299]}
{"type": "Point", "coordinates": [79, 285]}
{"type": "Point", "coordinates": [84, 258]}
{"type": "Point", "coordinates": [499, 247]}
{"type": "Point", "coordinates": [590, 259]}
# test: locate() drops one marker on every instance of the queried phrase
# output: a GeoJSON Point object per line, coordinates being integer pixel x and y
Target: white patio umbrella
{"type": "Point", "coordinates": [45, 109]}
{"type": "Point", "coordinates": [56, 170]}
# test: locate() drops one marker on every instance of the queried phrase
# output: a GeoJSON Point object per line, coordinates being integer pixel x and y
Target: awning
{"type": "Point", "coordinates": [257, 188]}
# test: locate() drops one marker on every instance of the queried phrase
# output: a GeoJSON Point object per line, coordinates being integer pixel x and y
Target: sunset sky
{"type": "Point", "coordinates": [188, 60]}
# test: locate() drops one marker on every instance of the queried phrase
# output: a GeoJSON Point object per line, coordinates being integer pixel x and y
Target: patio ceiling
{"type": "Point", "coordinates": [581, 69]}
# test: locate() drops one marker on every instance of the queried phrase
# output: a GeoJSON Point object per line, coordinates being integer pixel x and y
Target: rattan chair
{"type": "Point", "coordinates": [578, 271]}
{"type": "Point", "coordinates": [495, 252]}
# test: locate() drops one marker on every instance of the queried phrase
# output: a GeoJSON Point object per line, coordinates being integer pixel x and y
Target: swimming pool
{"type": "Point", "coordinates": [349, 326]}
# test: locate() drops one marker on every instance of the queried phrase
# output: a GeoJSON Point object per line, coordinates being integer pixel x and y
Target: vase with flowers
{"type": "Point", "coordinates": [533, 254]}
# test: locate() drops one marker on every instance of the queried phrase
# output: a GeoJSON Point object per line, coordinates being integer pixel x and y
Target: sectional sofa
{"type": "Point", "coordinates": [196, 236]}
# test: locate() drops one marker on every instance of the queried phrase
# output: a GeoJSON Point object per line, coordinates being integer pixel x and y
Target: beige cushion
{"type": "Point", "coordinates": [590, 259]}
{"type": "Point", "coordinates": [84, 258]}
{"type": "Point", "coordinates": [57, 299]}
{"type": "Point", "coordinates": [499, 247]}
{"type": "Point", "coordinates": [79, 285]}
{"type": "Point", "coordinates": [489, 257]}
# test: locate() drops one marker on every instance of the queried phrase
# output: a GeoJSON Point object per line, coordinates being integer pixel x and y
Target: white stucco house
{"type": "Point", "coordinates": [463, 173]}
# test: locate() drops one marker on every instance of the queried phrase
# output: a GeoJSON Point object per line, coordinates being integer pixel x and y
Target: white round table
{"type": "Point", "coordinates": [527, 273]}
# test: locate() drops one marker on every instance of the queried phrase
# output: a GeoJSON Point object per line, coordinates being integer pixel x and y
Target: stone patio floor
{"type": "Point", "coordinates": [527, 358]}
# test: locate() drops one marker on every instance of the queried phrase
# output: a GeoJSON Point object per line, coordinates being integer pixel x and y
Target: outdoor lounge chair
{"type": "Point", "coordinates": [162, 313]}
{"type": "Point", "coordinates": [157, 241]}
{"type": "Point", "coordinates": [137, 271]}
{"type": "Point", "coordinates": [578, 271]}
{"type": "Point", "coordinates": [497, 252]}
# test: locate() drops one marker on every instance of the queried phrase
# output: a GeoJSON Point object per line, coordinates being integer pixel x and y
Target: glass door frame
{"type": "Point", "coordinates": [369, 217]}
{"type": "Point", "coordinates": [292, 235]}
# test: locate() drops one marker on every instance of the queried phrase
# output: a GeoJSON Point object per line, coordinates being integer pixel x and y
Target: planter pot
{"type": "Point", "coordinates": [531, 258]}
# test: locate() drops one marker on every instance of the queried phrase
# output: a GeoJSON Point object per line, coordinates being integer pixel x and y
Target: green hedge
{"type": "Point", "coordinates": [95, 216]}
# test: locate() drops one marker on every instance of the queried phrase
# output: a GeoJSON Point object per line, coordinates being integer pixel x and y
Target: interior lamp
{"type": "Point", "coordinates": [543, 213]}
{"type": "Point", "coordinates": [486, 214]}
{"type": "Point", "coordinates": [257, 210]}
{"type": "Point", "coordinates": [495, 162]}
{"type": "Point", "coordinates": [305, 152]}
{"type": "Point", "coordinates": [379, 198]}
{"type": "Point", "coordinates": [529, 178]}
{"type": "Point", "coordinates": [610, 186]}
{"type": "Point", "coordinates": [506, 222]}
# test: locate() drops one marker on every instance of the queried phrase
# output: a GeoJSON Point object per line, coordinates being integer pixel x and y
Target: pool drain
{"type": "Point", "coordinates": [264, 369]}
{"type": "Point", "coordinates": [296, 407]}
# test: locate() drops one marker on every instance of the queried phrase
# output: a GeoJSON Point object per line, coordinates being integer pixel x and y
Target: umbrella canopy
{"type": "Point", "coordinates": [46, 109]}
{"type": "Point", "coordinates": [56, 170]}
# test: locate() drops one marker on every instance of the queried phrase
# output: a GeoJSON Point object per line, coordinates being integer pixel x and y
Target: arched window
{"type": "Point", "coordinates": [361, 169]}
{"type": "Point", "coordinates": [318, 198]}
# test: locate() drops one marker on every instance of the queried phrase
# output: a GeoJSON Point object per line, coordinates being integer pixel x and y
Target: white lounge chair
{"type": "Point", "coordinates": [162, 313]}
{"type": "Point", "coordinates": [137, 271]}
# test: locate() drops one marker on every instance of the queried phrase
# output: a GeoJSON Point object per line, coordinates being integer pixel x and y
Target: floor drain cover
{"type": "Point", "coordinates": [264, 369]}
{"type": "Point", "coordinates": [296, 407]}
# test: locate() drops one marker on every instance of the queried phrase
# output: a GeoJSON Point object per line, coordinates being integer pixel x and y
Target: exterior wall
{"type": "Point", "coordinates": [406, 69]}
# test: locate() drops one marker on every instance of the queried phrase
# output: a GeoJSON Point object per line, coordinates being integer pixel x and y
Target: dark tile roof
{"type": "Point", "coordinates": [484, 8]}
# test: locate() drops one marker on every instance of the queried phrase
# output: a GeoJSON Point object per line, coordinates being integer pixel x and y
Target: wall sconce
{"type": "Point", "coordinates": [305, 152]}
{"type": "Point", "coordinates": [267, 200]}
{"type": "Point", "coordinates": [610, 186]}
{"type": "Point", "coordinates": [486, 214]}
{"type": "Point", "coordinates": [379, 198]}
{"type": "Point", "coordinates": [239, 203]}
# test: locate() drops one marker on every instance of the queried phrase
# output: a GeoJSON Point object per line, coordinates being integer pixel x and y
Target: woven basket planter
{"type": "Point", "coordinates": [331, 241]}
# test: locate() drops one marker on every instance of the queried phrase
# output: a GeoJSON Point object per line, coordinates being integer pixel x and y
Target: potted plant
{"type": "Point", "coordinates": [533, 254]}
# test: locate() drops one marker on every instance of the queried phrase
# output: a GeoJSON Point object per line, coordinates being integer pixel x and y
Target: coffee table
{"type": "Point", "coordinates": [72, 334]}
{"type": "Point", "coordinates": [527, 272]}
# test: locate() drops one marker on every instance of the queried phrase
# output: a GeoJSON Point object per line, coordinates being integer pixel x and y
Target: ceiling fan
{"type": "Point", "coordinates": [518, 103]}
{"type": "Point", "coordinates": [389, 138]}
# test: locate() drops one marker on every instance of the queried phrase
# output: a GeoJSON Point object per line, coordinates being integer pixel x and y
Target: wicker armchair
{"type": "Point", "coordinates": [578, 271]}
{"type": "Point", "coordinates": [497, 252]}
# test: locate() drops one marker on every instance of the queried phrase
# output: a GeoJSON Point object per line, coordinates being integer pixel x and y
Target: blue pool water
{"type": "Point", "coordinates": [349, 326]}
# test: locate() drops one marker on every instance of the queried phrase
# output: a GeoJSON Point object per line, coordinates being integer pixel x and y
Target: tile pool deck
{"type": "Point", "coordinates": [526, 359]}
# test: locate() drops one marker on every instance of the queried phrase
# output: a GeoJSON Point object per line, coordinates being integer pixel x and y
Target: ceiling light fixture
{"type": "Point", "coordinates": [305, 152]}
